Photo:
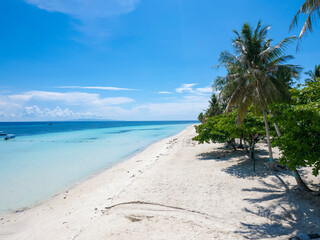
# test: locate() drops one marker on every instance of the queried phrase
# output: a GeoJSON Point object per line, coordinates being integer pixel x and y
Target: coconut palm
{"type": "Point", "coordinates": [313, 75]}
{"type": "Point", "coordinates": [312, 9]}
{"type": "Point", "coordinates": [214, 107]}
{"type": "Point", "coordinates": [253, 74]}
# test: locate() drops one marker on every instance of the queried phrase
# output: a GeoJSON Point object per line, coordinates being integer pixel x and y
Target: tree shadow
{"type": "Point", "coordinates": [222, 154]}
{"type": "Point", "coordinates": [243, 167]}
{"type": "Point", "coordinates": [291, 212]}
{"type": "Point", "coordinates": [246, 168]}
{"type": "Point", "coordinates": [282, 210]}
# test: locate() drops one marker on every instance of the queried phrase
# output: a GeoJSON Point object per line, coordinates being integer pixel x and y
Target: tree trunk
{"type": "Point", "coordinates": [276, 126]}
{"type": "Point", "coordinates": [241, 145]}
{"type": "Point", "coordinates": [246, 145]}
{"type": "Point", "coordinates": [252, 156]}
{"type": "Point", "coordinates": [231, 143]}
{"type": "Point", "coordinates": [272, 165]}
{"type": "Point", "coordinates": [300, 182]}
{"type": "Point", "coordinates": [277, 129]}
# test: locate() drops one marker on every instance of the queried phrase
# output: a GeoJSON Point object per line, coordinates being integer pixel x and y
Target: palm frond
{"type": "Point", "coordinates": [312, 9]}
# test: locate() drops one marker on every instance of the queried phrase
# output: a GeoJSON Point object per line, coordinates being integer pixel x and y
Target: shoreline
{"type": "Point", "coordinates": [174, 189]}
{"type": "Point", "coordinates": [90, 177]}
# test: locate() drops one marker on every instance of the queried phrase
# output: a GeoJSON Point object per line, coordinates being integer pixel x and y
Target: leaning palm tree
{"type": "Point", "coordinates": [313, 75]}
{"type": "Point", "coordinates": [253, 74]}
{"type": "Point", "coordinates": [312, 9]}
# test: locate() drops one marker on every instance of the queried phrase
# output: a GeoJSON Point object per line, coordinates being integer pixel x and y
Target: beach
{"type": "Point", "coordinates": [175, 189]}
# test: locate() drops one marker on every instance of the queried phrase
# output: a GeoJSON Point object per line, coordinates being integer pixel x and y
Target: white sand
{"type": "Point", "coordinates": [175, 189]}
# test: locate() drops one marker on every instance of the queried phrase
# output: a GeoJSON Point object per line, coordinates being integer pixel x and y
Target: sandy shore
{"type": "Point", "coordinates": [175, 189]}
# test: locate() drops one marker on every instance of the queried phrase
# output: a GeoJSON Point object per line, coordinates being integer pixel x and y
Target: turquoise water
{"type": "Point", "coordinates": [34, 167]}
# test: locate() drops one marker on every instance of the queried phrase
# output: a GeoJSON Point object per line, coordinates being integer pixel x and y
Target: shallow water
{"type": "Point", "coordinates": [37, 165]}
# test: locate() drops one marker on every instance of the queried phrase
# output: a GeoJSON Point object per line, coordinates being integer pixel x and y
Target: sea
{"type": "Point", "coordinates": [46, 158]}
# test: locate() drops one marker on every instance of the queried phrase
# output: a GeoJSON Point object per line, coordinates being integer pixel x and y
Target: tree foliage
{"type": "Point", "coordinates": [252, 129]}
{"type": "Point", "coordinates": [217, 129]}
{"type": "Point", "coordinates": [214, 109]}
{"type": "Point", "coordinates": [201, 117]}
{"type": "Point", "coordinates": [223, 128]}
{"type": "Point", "coordinates": [299, 122]}
{"type": "Point", "coordinates": [313, 76]}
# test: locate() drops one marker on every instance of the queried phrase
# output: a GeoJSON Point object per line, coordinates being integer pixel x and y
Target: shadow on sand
{"type": "Point", "coordinates": [291, 212]}
{"type": "Point", "coordinates": [243, 167]}
{"type": "Point", "coordinates": [221, 154]}
{"type": "Point", "coordinates": [288, 212]}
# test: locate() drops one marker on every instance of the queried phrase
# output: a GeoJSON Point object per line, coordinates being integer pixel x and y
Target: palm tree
{"type": "Point", "coordinates": [312, 9]}
{"type": "Point", "coordinates": [313, 75]}
{"type": "Point", "coordinates": [253, 74]}
{"type": "Point", "coordinates": [201, 117]}
{"type": "Point", "coordinates": [214, 107]}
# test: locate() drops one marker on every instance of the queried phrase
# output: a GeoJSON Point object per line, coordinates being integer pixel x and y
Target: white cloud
{"type": "Point", "coordinates": [31, 111]}
{"type": "Point", "coordinates": [115, 101]}
{"type": "Point", "coordinates": [83, 9]}
{"type": "Point", "coordinates": [73, 98]}
{"type": "Point", "coordinates": [3, 115]}
{"type": "Point", "coordinates": [58, 112]}
{"type": "Point", "coordinates": [93, 16]}
{"type": "Point", "coordinates": [164, 92]}
{"type": "Point", "coordinates": [35, 112]}
{"type": "Point", "coordinates": [8, 105]}
{"type": "Point", "coordinates": [75, 105]}
{"type": "Point", "coordinates": [20, 97]}
{"type": "Point", "coordinates": [186, 88]}
{"type": "Point", "coordinates": [204, 90]}
{"type": "Point", "coordinates": [51, 105]}
{"type": "Point", "coordinates": [98, 88]}
{"type": "Point", "coordinates": [187, 108]}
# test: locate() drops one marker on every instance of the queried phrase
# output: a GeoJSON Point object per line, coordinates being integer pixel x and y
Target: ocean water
{"type": "Point", "coordinates": [47, 158]}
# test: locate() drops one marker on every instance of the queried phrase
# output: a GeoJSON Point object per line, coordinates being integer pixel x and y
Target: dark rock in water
{"type": "Point", "coordinates": [314, 235]}
{"type": "Point", "coordinates": [93, 138]}
{"type": "Point", "coordinates": [9, 136]}
{"type": "Point", "coordinates": [19, 211]}
{"type": "Point", "coordinates": [304, 236]}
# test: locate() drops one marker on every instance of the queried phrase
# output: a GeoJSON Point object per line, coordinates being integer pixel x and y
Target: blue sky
{"type": "Point", "coordinates": [125, 59]}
